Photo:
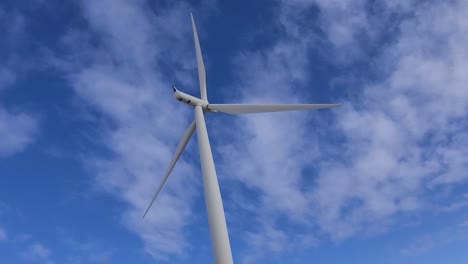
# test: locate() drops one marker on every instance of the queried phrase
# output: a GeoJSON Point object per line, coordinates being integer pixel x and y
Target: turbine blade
{"type": "Point", "coordinates": [180, 148]}
{"type": "Point", "coordinates": [263, 108]}
{"type": "Point", "coordinates": [200, 64]}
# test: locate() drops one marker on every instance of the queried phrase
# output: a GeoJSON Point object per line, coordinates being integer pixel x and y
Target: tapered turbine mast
{"type": "Point", "coordinates": [214, 205]}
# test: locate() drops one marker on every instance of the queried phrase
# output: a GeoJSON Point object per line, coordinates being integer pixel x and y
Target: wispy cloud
{"type": "Point", "coordinates": [406, 132]}
{"type": "Point", "coordinates": [419, 247]}
{"type": "Point", "coordinates": [267, 153]}
{"type": "Point", "coordinates": [3, 234]}
{"type": "Point", "coordinates": [7, 77]}
{"type": "Point", "coordinates": [396, 139]}
{"type": "Point", "coordinates": [117, 66]}
{"type": "Point", "coordinates": [426, 242]}
{"type": "Point", "coordinates": [12, 25]}
{"type": "Point", "coordinates": [84, 250]}
{"type": "Point", "coordinates": [17, 128]}
{"type": "Point", "coordinates": [38, 252]}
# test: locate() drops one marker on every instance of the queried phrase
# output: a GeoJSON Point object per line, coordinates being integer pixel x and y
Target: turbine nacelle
{"type": "Point", "coordinates": [189, 99]}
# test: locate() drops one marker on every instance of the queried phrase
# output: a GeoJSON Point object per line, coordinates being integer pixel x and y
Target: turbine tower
{"type": "Point", "coordinates": [214, 205]}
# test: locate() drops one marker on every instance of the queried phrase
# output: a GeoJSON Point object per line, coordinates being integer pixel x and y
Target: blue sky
{"type": "Point", "coordinates": [88, 124]}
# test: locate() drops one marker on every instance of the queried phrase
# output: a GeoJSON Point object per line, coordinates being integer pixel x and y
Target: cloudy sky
{"type": "Point", "coordinates": [88, 124]}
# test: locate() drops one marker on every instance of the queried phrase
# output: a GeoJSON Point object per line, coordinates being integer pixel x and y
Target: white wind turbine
{"type": "Point", "coordinates": [214, 204]}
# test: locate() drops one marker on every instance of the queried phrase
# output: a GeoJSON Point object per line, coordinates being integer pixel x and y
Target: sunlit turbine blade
{"type": "Point", "coordinates": [200, 64]}
{"type": "Point", "coordinates": [180, 148]}
{"type": "Point", "coordinates": [263, 108]}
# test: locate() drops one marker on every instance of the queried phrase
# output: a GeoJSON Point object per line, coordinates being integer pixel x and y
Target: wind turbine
{"type": "Point", "coordinates": [214, 204]}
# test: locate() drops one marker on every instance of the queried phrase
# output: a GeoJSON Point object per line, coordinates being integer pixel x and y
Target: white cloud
{"type": "Point", "coordinates": [401, 138]}
{"type": "Point", "coordinates": [455, 206]}
{"type": "Point", "coordinates": [7, 77]}
{"type": "Point", "coordinates": [409, 133]}
{"type": "Point", "coordinates": [267, 153]}
{"type": "Point", "coordinates": [117, 68]}
{"type": "Point", "coordinates": [12, 24]}
{"type": "Point", "coordinates": [37, 252]}
{"type": "Point", "coordinates": [351, 27]}
{"type": "Point", "coordinates": [3, 234]}
{"type": "Point", "coordinates": [84, 250]}
{"type": "Point", "coordinates": [271, 239]}
{"type": "Point", "coordinates": [404, 135]}
{"type": "Point", "coordinates": [17, 130]}
{"type": "Point", "coordinates": [436, 239]}
{"type": "Point", "coordinates": [419, 247]}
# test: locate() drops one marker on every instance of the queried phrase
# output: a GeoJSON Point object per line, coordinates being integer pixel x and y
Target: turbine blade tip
{"type": "Point", "coordinates": [147, 210]}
